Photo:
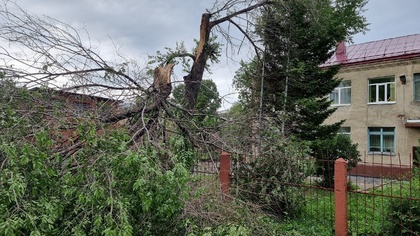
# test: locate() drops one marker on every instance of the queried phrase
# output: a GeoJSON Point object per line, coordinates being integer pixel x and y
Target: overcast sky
{"type": "Point", "coordinates": [142, 27]}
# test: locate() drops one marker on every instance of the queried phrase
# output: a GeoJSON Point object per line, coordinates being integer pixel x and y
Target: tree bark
{"type": "Point", "coordinates": [162, 88]}
{"type": "Point", "coordinates": [193, 79]}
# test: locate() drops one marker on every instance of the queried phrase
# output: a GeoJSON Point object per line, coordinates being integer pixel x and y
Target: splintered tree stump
{"type": "Point", "coordinates": [162, 81]}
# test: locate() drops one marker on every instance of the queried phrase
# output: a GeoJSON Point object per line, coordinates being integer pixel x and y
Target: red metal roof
{"type": "Point", "coordinates": [386, 49]}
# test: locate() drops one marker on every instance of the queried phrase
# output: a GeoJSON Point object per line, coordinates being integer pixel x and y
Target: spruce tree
{"type": "Point", "coordinates": [299, 36]}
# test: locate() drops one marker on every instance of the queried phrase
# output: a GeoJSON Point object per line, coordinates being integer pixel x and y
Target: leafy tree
{"type": "Point", "coordinates": [107, 183]}
{"type": "Point", "coordinates": [248, 83]}
{"type": "Point", "coordinates": [208, 101]}
{"type": "Point", "coordinates": [299, 36]}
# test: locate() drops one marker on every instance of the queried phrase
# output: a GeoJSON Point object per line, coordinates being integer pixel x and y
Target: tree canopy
{"type": "Point", "coordinates": [299, 36]}
{"type": "Point", "coordinates": [287, 88]}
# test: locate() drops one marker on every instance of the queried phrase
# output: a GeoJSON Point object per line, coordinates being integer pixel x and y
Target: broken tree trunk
{"type": "Point", "coordinates": [161, 89]}
{"type": "Point", "coordinates": [193, 79]}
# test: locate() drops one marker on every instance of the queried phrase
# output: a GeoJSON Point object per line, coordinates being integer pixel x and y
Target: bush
{"type": "Point", "coordinates": [327, 151]}
{"type": "Point", "coordinates": [404, 213]}
{"type": "Point", "coordinates": [271, 180]}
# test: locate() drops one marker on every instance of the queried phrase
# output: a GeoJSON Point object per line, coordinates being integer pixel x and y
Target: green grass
{"type": "Point", "coordinates": [372, 213]}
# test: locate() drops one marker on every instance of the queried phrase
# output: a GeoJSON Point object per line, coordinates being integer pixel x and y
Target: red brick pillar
{"type": "Point", "coordinates": [224, 172]}
{"type": "Point", "coordinates": [340, 194]}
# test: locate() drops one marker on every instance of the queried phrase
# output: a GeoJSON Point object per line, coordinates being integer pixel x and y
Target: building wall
{"type": "Point", "coordinates": [360, 115]}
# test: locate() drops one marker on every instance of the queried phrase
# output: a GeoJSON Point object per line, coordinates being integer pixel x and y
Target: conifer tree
{"type": "Point", "coordinates": [300, 35]}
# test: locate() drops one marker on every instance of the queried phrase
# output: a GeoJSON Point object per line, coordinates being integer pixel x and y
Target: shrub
{"type": "Point", "coordinates": [271, 180]}
{"type": "Point", "coordinates": [327, 151]}
{"type": "Point", "coordinates": [404, 213]}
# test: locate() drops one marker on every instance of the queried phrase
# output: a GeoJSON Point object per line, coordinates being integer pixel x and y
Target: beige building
{"type": "Point", "coordinates": [379, 98]}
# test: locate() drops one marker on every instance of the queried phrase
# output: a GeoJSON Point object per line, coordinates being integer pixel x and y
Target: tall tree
{"type": "Point", "coordinates": [300, 35]}
{"type": "Point", "coordinates": [288, 90]}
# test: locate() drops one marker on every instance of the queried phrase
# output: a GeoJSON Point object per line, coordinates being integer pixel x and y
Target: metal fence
{"type": "Point", "coordinates": [384, 198]}
{"type": "Point", "coordinates": [385, 203]}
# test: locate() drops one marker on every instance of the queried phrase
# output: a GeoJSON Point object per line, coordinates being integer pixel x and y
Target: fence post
{"type": "Point", "coordinates": [340, 194]}
{"type": "Point", "coordinates": [224, 172]}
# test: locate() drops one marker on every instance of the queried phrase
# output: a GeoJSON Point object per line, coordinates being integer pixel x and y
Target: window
{"type": "Point", "coordinates": [342, 94]}
{"type": "Point", "coordinates": [345, 131]}
{"type": "Point", "coordinates": [382, 90]}
{"type": "Point", "coordinates": [416, 87]}
{"type": "Point", "coordinates": [381, 139]}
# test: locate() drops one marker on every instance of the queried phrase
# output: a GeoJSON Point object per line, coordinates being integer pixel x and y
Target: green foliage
{"type": "Point", "coordinates": [212, 48]}
{"type": "Point", "coordinates": [103, 188]}
{"type": "Point", "coordinates": [416, 156]}
{"type": "Point", "coordinates": [208, 101]}
{"type": "Point", "coordinates": [298, 36]}
{"type": "Point", "coordinates": [208, 212]}
{"type": "Point", "coordinates": [327, 151]}
{"type": "Point", "coordinates": [271, 179]}
{"type": "Point", "coordinates": [226, 230]}
{"type": "Point", "coordinates": [171, 56]}
{"type": "Point", "coordinates": [404, 214]}
{"type": "Point", "coordinates": [181, 55]}
{"type": "Point", "coordinates": [389, 210]}
{"type": "Point", "coordinates": [247, 82]}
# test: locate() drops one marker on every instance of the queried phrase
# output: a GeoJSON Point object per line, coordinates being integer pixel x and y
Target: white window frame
{"type": "Point", "coordinates": [340, 90]}
{"type": "Point", "coordinates": [381, 132]}
{"type": "Point", "coordinates": [387, 98]}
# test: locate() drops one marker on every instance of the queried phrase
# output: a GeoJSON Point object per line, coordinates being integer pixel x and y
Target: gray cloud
{"type": "Point", "coordinates": [144, 26]}
{"type": "Point", "coordinates": [390, 18]}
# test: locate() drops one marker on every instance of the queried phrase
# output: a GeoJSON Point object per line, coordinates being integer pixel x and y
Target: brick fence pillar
{"type": "Point", "coordinates": [340, 194]}
{"type": "Point", "coordinates": [224, 172]}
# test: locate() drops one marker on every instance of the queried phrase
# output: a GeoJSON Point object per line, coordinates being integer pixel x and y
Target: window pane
{"type": "Point", "coordinates": [382, 139]}
{"type": "Point", "coordinates": [372, 93]}
{"type": "Point", "coordinates": [391, 92]}
{"type": "Point", "coordinates": [388, 129]}
{"type": "Point", "coordinates": [388, 143]}
{"type": "Point", "coordinates": [417, 87]}
{"type": "Point", "coordinates": [344, 130]}
{"type": "Point", "coordinates": [382, 90]}
{"type": "Point", "coordinates": [345, 83]}
{"type": "Point", "coordinates": [334, 96]}
{"type": "Point", "coordinates": [381, 80]}
{"type": "Point", "coordinates": [375, 129]}
{"type": "Point", "coordinates": [381, 93]}
{"type": "Point", "coordinates": [345, 95]}
{"type": "Point", "coordinates": [342, 94]}
{"type": "Point", "coordinates": [375, 143]}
